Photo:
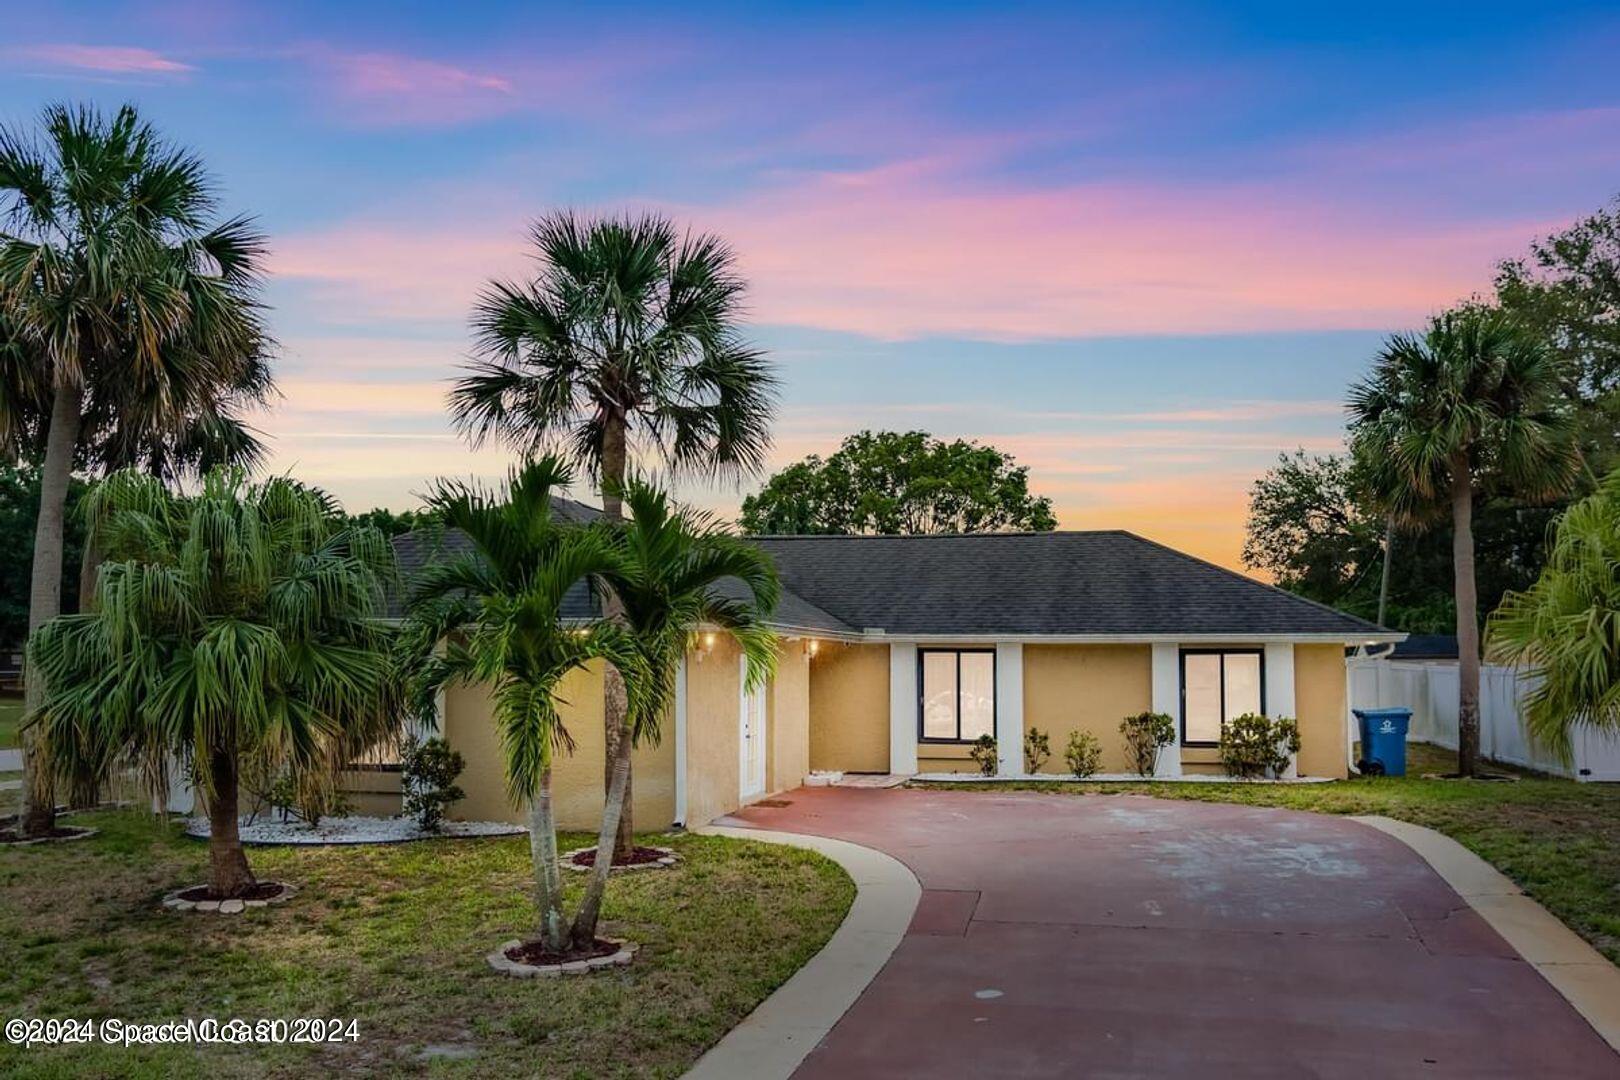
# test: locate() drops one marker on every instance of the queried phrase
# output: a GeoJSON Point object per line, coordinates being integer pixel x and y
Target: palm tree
{"type": "Point", "coordinates": [1565, 628]}
{"type": "Point", "coordinates": [1474, 402]}
{"type": "Point", "coordinates": [236, 630]}
{"type": "Point", "coordinates": [140, 323]}
{"type": "Point", "coordinates": [494, 617]}
{"type": "Point", "coordinates": [628, 335]}
{"type": "Point", "coordinates": [670, 577]}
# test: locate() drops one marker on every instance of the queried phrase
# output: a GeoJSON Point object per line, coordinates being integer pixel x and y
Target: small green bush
{"type": "Point", "coordinates": [1254, 745]}
{"type": "Point", "coordinates": [1083, 754]}
{"type": "Point", "coordinates": [1145, 735]}
{"type": "Point", "coordinates": [428, 779]}
{"type": "Point", "coordinates": [984, 754]}
{"type": "Point", "coordinates": [1037, 749]}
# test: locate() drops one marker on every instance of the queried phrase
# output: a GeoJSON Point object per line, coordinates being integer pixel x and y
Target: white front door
{"type": "Point", "coordinates": [751, 737]}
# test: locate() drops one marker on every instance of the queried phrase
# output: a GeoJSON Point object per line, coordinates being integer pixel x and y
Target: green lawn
{"type": "Point", "coordinates": [395, 936]}
{"type": "Point", "coordinates": [10, 716]}
{"type": "Point", "coordinates": [1558, 839]}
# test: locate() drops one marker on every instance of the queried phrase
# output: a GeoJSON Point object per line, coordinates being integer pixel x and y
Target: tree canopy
{"type": "Point", "coordinates": [889, 482]}
{"type": "Point", "coordinates": [1311, 528]}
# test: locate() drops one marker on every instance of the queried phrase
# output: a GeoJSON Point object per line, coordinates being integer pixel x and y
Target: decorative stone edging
{"type": "Point", "coordinates": [773, 1040]}
{"type": "Point", "coordinates": [81, 833]}
{"type": "Point", "coordinates": [1583, 976]}
{"type": "Point", "coordinates": [517, 969]}
{"type": "Point", "coordinates": [668, 859]}
{"type": "Point", "coordinates": [176, 902]}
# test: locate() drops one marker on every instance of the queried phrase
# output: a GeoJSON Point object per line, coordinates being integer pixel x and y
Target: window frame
{"type": "Point", "coordinates": [1223, 653]}
{"type": "Point", "coordinates": [922, 695]}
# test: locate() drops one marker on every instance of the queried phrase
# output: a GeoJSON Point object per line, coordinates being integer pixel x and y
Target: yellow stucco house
{"type": "Point", "coordinates": [898, 651]}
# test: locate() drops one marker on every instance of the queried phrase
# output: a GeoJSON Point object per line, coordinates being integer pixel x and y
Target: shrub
{"type": "Point", "coordinates": [428, 779]}
{"type": "Point", "coordinates": [1084, 753]}
{"type": "Point", "coordinates": [1037, 749]}
{"type": "Point", "coordinates": [984, 754]}
{"type": "Point", "coordinates": [1254, 745]}
{"type": "Point", "coordinates": [1145, 735]}
{"type": "Point", "coordinates": [308, 796]}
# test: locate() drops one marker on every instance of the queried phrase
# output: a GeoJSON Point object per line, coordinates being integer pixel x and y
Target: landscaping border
{"type": "Point", "coordinates": [774, 1039]}
{"type": "Point", "coordinates": [1584, 976]}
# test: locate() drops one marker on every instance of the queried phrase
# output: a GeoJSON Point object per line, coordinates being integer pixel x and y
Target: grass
{"type": "Point", "coordinates": [1559, 840]}
{"type": "Point", "coordinates": [10, 717]}
{"type": "Point", "coordinates": [395, 936]}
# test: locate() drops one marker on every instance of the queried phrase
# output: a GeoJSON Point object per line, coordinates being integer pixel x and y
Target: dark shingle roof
{"type": "Point", "coordinates": [1425, 647]}
{"type": "Point", "coordinates": [1038, 583]}
{"type": "Point", "coordinates": [1082, 583]}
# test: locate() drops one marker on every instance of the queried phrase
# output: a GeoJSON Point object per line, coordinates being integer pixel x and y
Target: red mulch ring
{"type": "Point", "coordinates": [636, 856]}
{"type": "Point", "coordinates": [259, 890]}
{"type": "Point", "coordinates": [533, 952]}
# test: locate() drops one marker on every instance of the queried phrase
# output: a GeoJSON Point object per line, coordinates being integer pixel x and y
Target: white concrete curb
{"type": "Point", "coordinates": [1584, 976]}
{"type": "Point", "coordinates": [777, 1036]}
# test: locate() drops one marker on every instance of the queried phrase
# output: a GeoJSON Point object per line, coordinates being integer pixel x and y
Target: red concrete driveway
{"type": "Point", "coordinates": [1119, 936]}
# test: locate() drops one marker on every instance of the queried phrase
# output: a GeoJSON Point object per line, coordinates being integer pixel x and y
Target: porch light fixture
{"type": "Point", "coordinates": [812, 648]}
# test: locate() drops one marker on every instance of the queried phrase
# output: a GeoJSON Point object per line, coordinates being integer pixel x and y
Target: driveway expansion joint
{"type": "Point", "coordinates": [1582, 975]}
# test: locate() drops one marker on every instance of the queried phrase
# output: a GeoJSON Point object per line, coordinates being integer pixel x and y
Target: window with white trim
{"type": "Point", "coordinates": [956, 694]}
{"type": "Point", "coordinates": [1218, 685]}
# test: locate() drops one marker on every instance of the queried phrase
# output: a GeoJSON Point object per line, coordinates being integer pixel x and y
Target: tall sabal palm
{"type": "Point", "coordinates": [674, 572]}
{"type": "Point", "coordinates": [494, 617]}
{"type": "Point", "coordinates": [236, 629]}
{"type": "Point", "coordinates": [1475, 402]}
{"type": "Point", "coordinates": [1565, 628]}
{"type": "Point", "coordinates": [139, 315]}
{"type": "Point", "coordinates": [628, 336]}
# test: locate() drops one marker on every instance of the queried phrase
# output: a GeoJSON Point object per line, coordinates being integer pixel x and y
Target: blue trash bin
{"type": "Point", "coordinates": [1383, 739]}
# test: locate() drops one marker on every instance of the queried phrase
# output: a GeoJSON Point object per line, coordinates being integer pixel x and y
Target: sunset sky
{"type": "Point", "coordinates": [1144, 248]}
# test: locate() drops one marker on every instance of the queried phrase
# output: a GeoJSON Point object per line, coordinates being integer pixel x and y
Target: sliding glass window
{"type": "Point", "coordinates": [1218, 685]}
{"type": "Point", "coordinates": [957, 694]}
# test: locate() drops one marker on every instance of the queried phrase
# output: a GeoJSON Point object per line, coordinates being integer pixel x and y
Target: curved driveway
{"type": "Point", "coordinates": [1121, 936]}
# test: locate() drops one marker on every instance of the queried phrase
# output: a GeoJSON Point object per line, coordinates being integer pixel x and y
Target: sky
{"type": "Point", "coordinates": [1144, 248]}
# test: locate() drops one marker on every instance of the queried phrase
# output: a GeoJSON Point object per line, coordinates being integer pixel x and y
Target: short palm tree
{"type": "Point", "coordinates": [1565, 628]}
{"type": "Point", "coordinates": [236, 630]}
{"type": "Point", "coordinates": [139, 315]}
{"type": "Point", "coordinates": [674, 571]}
{"type": "Point", "coordinates": [1474, 402]}
{"type": "Point", "coordinates": [494, 617]}
{"type": "Point", "coordinates": [628, 335]}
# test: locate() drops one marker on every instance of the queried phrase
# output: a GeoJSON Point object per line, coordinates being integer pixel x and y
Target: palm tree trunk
{"type": "Point", "coordinates": [228, 873]}
{"type": "Point", "coordinates": [547, 874]}
{"type": "Point", "coordinates": [590, 907]}
{"type": "Point", "coordinates": [45, 595]}
{"type": "Point", "coordinates": [1462, 556]}
{"type": "Point", "coordinates": [1383, 584]}
{"type": "Point", "coordinates": [615, 699]}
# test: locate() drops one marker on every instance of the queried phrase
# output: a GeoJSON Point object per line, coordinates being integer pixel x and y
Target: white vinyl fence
{"type": "Point", "coordinates": [1430, 691]}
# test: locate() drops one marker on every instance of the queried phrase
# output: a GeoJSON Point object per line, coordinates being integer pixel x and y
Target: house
{"type": "Point", "coordinates": [897, 652]}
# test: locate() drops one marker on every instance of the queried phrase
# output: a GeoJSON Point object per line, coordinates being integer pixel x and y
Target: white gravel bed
{"type": "Point", "coordinates": [355, 830]}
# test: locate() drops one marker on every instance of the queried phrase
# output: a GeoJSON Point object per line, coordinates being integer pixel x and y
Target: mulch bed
{"type": "Point", "coordinates": [636, 856]}
{"type": "Point", "coordinates": [260, 890]}
{"type": "Point", "coordinates": [533, 952]}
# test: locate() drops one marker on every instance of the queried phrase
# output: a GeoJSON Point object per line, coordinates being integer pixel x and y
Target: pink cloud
{"type": "Point", "coordinates": [108, 59]}
{"type": "Point", "coordinates": [906, 250]}
{"type": "Point", "coordinates": [384, 87]}
{"type": "Point", "coordinates": [915, 249]}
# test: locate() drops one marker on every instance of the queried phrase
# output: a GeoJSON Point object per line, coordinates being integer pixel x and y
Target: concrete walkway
{"type": "Point", "coordinates": [1122, 936]}
{"type": "Point", "coordinates": [10, 760]}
